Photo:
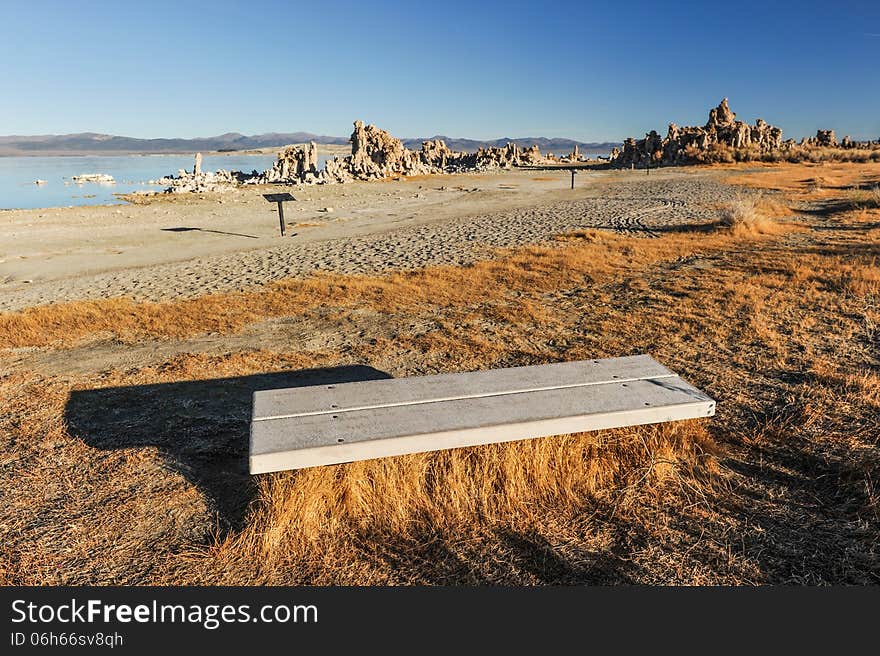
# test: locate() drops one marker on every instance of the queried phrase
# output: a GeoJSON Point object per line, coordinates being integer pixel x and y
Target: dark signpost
{"type": "Point", "coordinates": [574, 169]}
{"type": "Point", "coordinates": [280, 199]}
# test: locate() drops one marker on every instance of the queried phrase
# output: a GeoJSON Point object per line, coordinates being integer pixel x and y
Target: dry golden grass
{"type": "Point", "coordinates": [411, 499]}
{"type": "Point", "coordinates": [861, 281]}
{"type": "Point", "coordinates": [133, 474]}
{"type": "Point", "coordinates": [540, 268]}
{"type": "Point", "coordinates": [755, 215]}
{"type": "Point", "coordinates": [865, 199]}
{"type": "Point", "coordinates": [722, 154]}
{"type": "Point", "coordinates": [811, 182]}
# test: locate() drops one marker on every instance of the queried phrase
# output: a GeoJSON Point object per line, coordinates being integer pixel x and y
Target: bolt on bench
{"type": "Point", "coordinates": [329, 424]}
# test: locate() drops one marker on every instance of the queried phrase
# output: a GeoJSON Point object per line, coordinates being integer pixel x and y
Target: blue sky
{"type": "Point", "coordinates": [587, 70]}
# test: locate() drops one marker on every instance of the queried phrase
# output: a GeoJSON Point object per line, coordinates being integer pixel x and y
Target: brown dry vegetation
{"type": "Point", "coordinates": [135, 474]}
{"type": "Point", "coordinates": [718, 153]}
{"type": "Point", "coordinates": [754, 214]}
{"type": "Point", "coordinates": [810, 182]}
{"type": "Point", "coordinates": [591, 255]}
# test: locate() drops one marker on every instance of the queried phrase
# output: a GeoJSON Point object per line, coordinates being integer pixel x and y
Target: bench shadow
{"type": "Point", "coordinates": [536, 555]}
{"type": "Point", "coordinates": [200, 427]}
{"type": "Point", "coordinates": [507, 556]}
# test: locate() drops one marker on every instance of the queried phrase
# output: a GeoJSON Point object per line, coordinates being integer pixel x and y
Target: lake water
{"type": "Point", "coordinates": [131, 172]}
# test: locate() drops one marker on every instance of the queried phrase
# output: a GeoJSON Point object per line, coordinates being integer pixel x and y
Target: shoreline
{"type": "Point", "coordinates": [268, 150]}
{"type": "Point", "coordinates": [180, 247]}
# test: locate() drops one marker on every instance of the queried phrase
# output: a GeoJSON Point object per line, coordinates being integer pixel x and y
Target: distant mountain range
{"type": "Point", "coordinates": [557, 146]}
{"type": "Point", "coordinates": [88, 143]}
{"type": "Point", "coordinates": [91, 143]}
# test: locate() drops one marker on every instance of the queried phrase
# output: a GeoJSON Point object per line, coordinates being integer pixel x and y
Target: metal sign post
{"type": "Point", "coordinates": [572, 177]}
{"type": "Point", "coordinates": [280, 199]}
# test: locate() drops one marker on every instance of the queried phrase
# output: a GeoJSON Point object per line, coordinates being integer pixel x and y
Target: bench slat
{"type": "Point", "coordinates": [276, 404]}
{"type": "Point", "coordinates": [312, 439]}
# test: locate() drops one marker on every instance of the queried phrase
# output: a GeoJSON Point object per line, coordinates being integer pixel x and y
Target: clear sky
{"type": "Point", "coordinates": [593, 71]}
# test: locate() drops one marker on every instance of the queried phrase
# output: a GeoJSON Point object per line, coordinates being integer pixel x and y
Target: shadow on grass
{"type": "Point", "coordinates": [200, 427]}
{"type": "Point", "coordinates": [688, 228]}
{"type": "Point", "coordinates": [504, 556]}
{"type": "Point", "coordinates": [866, 251]}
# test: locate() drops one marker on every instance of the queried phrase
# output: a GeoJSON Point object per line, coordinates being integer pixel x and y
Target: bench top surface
{"type": "Point", "coordinates": [324, 424]}
{"type": "Point", "coordinates": [316, 399]}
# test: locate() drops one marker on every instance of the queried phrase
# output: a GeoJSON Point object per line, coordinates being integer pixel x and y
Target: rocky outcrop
{"type": "Point", "coordinates": [436, 154]}
{"type": "Point", "coordinates": [848, 143]}
{"type": "Point", "coordinates": [186, 182]}
{"type": "Point", "coordinates": [823, 139]}
{"type": "Point", "coordinates": [375, 154]}
{"type": "Point", "coordinates": [692, 143]}
{"type": "Point", "coordinates": [766, 137]}
{"type": "Point", "coordinates": [294, 164]}
{"type": "Point", "coordinates": [506, 157]}
{"type": "Point", "coordinates": [104, 178]}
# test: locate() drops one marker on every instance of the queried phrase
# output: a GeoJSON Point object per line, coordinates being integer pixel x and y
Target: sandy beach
{"type": "Point", "coordinates": [169, 247]}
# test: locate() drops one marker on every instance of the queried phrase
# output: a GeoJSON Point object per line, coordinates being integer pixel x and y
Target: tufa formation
{"type": "Point", "coordinates": [688, 144]}
{"type": "Point", "coordinates": [375, 154]}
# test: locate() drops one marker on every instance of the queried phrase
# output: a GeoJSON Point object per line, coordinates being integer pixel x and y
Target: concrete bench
{"type": "Point", "coordinates": [329, 424]}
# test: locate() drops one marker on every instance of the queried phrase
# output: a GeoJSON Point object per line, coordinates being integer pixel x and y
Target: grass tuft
{"type": "Point", "coordinates": [753, 214]}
